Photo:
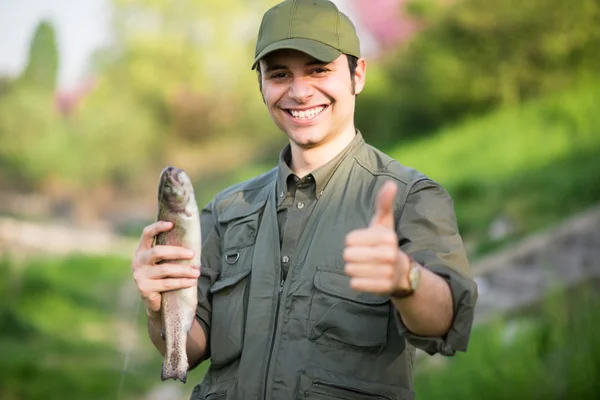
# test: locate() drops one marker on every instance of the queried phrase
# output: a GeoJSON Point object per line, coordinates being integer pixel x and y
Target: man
{"type": "Point", "coordinates": [321, 277]}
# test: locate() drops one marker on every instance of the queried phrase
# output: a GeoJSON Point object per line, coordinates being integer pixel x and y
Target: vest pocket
{"type": "Point", "coordinates": [328, 390]}
{"type": "Point", "coordinates": [229, 305]}
{"type": "Point", "coordinates": [317, 384]}
{"type": "Point", "coordinates": [237, 249]}
{"type": "Point", "coordinates": [217, 391]}
{"type": "Point", "coordinates": [343, 318]}
{"type": "Point", "coordinates": [230, 292]}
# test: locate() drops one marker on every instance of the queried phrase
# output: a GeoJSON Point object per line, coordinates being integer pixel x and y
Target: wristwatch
{"type": "Point", "coordinates": [414, 277]}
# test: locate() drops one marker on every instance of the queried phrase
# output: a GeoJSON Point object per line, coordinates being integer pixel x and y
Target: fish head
{"type": "Point", "coordinates": [175, 189]}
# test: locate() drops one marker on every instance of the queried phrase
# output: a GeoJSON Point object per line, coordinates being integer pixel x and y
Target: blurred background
{"type": "Point", "coordinates": [496, 100]}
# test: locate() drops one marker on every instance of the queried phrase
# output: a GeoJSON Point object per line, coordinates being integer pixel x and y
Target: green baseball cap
{"type": "Point", "coordinates": [314, 27]}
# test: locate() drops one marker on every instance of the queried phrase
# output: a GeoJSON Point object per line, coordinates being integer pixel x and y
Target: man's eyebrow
{"type": "Point", "coordinates": [275, 67]}
{"type": "Point", "coordinates": [315, 62]}
{"type": "Point", "coordinates": [310, 63]}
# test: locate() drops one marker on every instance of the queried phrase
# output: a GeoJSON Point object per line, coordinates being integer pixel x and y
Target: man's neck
{"type": "Point", "coordinates": [306, 160]}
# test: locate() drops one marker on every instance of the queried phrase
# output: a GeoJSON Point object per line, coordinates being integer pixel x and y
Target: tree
{"type": "Point", "coordinates": [42, 66]}
{"type": "Point", "coordinates": [477, 54]}
{"type": "Point", "coordinates": [188, 62]}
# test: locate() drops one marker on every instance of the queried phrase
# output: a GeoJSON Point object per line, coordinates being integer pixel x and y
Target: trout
{"type": "Point", "coordinates": [177, 204]}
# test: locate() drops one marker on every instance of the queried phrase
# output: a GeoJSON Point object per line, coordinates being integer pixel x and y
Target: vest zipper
{"type": "Point", "coordinates": [279, 292]}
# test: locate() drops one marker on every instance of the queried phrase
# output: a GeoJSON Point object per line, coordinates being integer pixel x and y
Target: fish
{"type": "Point", "coordinates": [177, 204]}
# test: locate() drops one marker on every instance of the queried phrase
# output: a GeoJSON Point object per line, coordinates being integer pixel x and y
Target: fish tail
{"type": "Point", "coordinates": [177, 322]}
{"type": "Point", "coordinates": [174, 366]}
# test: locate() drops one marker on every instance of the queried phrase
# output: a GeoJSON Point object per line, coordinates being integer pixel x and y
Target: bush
{"type": "Point", "coordinates": [550, 352]}
{"type": "Point", "coordinates": [476, 55]}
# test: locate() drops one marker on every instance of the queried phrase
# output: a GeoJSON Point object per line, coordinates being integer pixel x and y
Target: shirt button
{"type": "Point", "coordinates": [281, 194]}
{"type": "Point", "coordinates": [300, 205]}
{"type": "Point", "coordinates": [285, 259]}
{"type": "Point", "coordinates": [296, 178]}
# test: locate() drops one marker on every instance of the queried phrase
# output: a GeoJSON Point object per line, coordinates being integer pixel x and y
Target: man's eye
{"type": "Point", "coordinates": [278, 75]}
{"type": "Point", "coordinates": [320, 70]}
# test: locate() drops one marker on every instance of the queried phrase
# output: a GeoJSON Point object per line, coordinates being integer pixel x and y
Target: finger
{"type": "Point", "coordinates": [366, 270]}
{"type": "Point", "coordinates": [374, 236]}
{"type": "Point", "coordinates": [370, 285]}
{"type": "Point", "coordinates": [162, 271]}
{"type": "Point", "coordinates": [165, 253]}
{"type": "Point", "coordinates": [151, 231]}
{"type": "Point", "coordinates": [153, 302]}
{"type": "Point", "coordinates": [384, 206]}
{"type": "Point", "coordinates": [163, 285]}
{"type": "Point", "coordinates": [371, 254]}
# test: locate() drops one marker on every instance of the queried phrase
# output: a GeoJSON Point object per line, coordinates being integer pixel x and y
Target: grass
{"type": "Point", "coordinates": [533, 165]}
{"type": "Point", "coordinates": [67, 326]}
{"type": "Point", "coordinates": [550, 353]}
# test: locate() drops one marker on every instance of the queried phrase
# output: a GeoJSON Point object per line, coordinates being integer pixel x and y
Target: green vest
{"type": "Point", "coordinates": [310, 336]}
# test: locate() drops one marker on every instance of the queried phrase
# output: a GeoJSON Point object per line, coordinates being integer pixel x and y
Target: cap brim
{"type": "Point", "coordinates": [318, 50]}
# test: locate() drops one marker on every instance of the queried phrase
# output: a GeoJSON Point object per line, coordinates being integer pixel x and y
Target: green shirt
{"type": "Point", "coordinates": [275, 303]}
{"type": "Point", "coordinates": [297, 197]}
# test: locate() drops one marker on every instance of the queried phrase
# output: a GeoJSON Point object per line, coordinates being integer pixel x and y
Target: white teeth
{"type": "Point", "coordinates": [307, 114]}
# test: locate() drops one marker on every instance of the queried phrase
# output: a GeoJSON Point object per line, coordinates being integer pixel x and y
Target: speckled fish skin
{"type": "Point", "coordinates": [177, 204]}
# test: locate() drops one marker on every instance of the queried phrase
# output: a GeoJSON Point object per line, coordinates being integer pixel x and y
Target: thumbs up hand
{"type": "Point", "coordinates": [374, 262]}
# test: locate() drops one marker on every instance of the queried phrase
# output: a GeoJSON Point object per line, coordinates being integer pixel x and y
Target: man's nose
{"type": "Point", "coordinates": [300, 90]}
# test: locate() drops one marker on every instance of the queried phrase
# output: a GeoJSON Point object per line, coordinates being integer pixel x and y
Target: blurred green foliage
{"type": "Point", "coordinates": [92, 148]}
{"type": "Point", "coordinates": [57, 328]}
{"type": "Point", "coordinates": [533, 164]}
{"type": "Point", "coordinates": [474, 55]}
{"type": "Point", "coordinates": [42, 68]}
{"type": "Point", "coordinates": [67, 327]}
{"type": "Point", "coordinates": [551, 352]}
{"type": "Point", "coordinates": [188, 63]}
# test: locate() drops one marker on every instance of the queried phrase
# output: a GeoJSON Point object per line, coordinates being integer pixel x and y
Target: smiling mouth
{"type": "Point", "coordinates": [309, 114]}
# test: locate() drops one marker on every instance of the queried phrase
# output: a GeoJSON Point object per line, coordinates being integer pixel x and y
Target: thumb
{"type": "Point", "coordinates": [384, 207]}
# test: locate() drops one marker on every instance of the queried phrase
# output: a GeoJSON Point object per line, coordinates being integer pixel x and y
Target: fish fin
{"type": "Point", "coordinates": [174, 367]}
{"type": "Point", "coordinates": [181, 377]}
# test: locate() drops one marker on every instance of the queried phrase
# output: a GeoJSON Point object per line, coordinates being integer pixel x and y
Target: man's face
{"type": "Point", "coordinates": [311, 101]}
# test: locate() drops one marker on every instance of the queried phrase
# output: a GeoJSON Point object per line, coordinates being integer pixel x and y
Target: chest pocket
{"type": "Point", "coordinates": [344, 318]}
{"type": "Point", "coordinates": [230, 291]}
{"type": "Point", "coordinates": [239, 237]}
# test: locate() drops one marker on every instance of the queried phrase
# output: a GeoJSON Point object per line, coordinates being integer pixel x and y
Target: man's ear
{"type": "Point", "coordinates": [360, 74]}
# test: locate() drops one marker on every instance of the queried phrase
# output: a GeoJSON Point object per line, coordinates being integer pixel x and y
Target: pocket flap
{"type": "Point", "coordinates": [334, 282]}
{"type": "Point", "coordinates": [239, 210]}
{"type": "Point", "coordinates": [229, 281]}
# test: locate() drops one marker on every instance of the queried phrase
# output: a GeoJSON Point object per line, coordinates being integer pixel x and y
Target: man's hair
{"type": "Point", "coordinates": [352, 63]}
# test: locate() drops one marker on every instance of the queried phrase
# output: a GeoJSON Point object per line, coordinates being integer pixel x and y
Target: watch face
{"type": "Point", "coordinates": [414, 276]}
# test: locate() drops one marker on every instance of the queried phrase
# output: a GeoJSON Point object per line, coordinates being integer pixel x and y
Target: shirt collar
{"type": "Point", "coordinates": [321, 175]}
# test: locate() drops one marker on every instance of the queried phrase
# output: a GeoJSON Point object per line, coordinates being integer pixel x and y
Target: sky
{"type": "Point", "coordinates": [81, 27]}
